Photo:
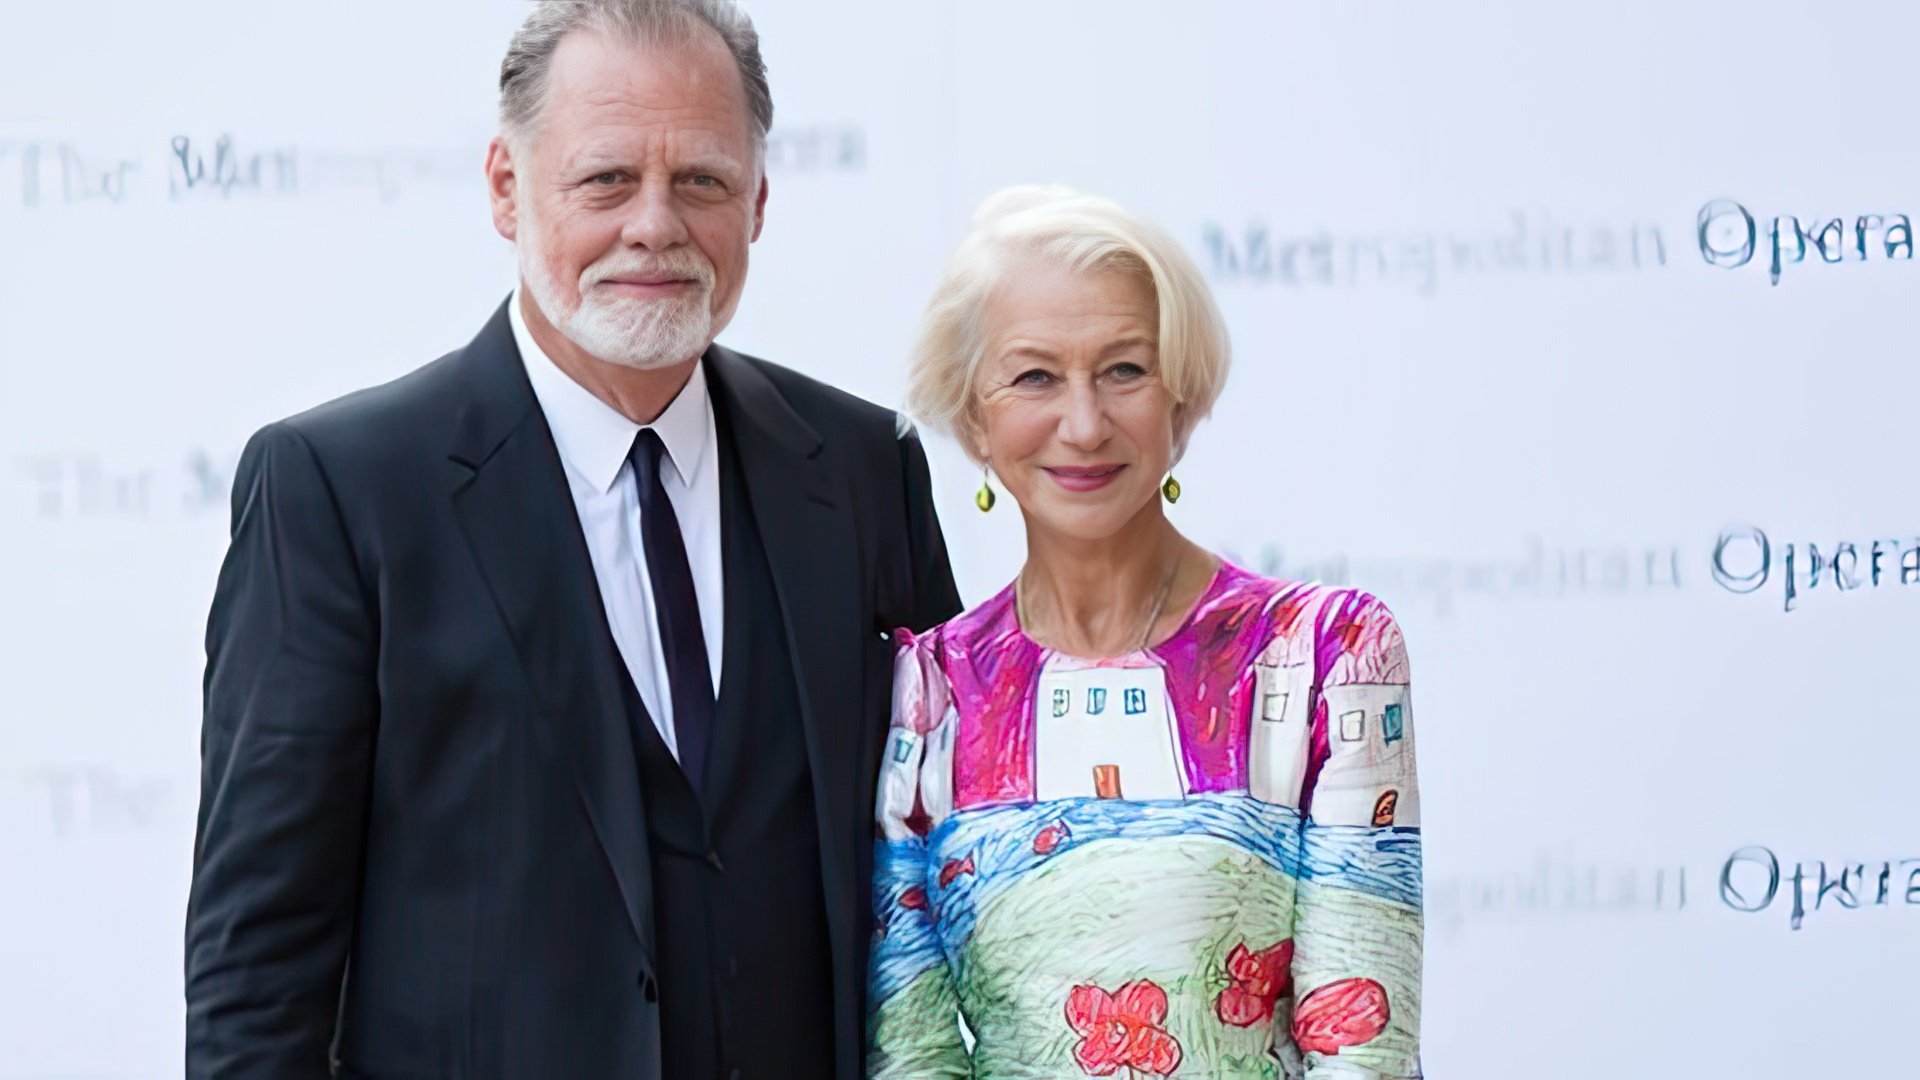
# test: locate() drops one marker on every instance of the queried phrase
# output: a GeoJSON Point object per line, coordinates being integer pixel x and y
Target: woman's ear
{"type": "Point", "coordinates": [1181, 433]}
{"type": "Point", "coordinates": [974, 435]}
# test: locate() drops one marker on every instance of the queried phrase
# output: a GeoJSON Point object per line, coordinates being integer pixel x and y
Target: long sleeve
{"type": "Point", "coordinates": [1358, 926]}
{"type": "Point", "coordinates": [913, 1028]}
{"type": "Point", "coordinates": [934, 598]}
{"type": "Point", "coordinates": [286, 749]}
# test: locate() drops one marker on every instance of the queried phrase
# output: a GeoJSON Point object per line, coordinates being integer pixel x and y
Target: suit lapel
{"type": "Point", "coordinates": [512, 500]}
{"type": "Point", "coordinates": [733, 733]}
{"type": "Point", "coordinates": [805, 523]}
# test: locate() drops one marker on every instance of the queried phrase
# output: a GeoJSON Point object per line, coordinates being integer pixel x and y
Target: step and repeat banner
{"type": "Point", "coordinates": [1585, 337]}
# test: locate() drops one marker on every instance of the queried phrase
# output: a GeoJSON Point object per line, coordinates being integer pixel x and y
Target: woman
{"type": "Point", "coordinates": [1143, 813]}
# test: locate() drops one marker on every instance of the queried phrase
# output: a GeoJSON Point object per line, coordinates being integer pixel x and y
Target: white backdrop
{"type": "Point", "coordinates": [1483, 368]}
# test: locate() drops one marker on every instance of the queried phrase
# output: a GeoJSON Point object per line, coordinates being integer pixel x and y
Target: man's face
{"type": "Point", "coordinates": [634, 198]}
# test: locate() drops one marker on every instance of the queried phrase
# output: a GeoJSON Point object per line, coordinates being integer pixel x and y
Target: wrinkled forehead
{"type": "Point", "coordinates": [685, 89]}
{"type": "Point", "coordinates": [1045, 311]}
{"type": "Point", "coordinates": [605, 140]}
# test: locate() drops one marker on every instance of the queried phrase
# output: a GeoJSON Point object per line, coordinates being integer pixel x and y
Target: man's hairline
{"type": "Point", "coordinates": [518, 142]}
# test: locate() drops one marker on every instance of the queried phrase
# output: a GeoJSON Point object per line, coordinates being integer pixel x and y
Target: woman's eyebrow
{"type": "Point", "coordinates": [1034, 351]}
{"type": "Point", "coordinates": [1134, 341]}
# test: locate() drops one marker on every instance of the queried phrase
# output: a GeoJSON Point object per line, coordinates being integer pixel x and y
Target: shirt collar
{"type": "Point", "coordinates": [593, 437]}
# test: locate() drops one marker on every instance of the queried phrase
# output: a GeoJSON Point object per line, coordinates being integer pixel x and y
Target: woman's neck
{"type": "Point", "coordinates": [1094, 598]}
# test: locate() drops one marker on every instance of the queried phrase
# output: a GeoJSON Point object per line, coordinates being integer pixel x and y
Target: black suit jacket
{"type": "Point", "coordinates": [421, 848]}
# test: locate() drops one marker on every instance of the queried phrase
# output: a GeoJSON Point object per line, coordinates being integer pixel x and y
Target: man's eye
{"type": "Point", "coordinates": [706, 181]}
{"type": "Point", "coordinates": [607, 178]}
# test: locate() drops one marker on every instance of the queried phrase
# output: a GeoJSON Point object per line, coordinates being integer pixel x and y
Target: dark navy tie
{"type": "Point", "coordinates": [677, 606]}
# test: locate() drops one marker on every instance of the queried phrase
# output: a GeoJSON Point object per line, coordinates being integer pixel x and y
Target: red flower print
{"type": "Point", "coordinates": [1122, 1029]}
{"type": "Point", "coordinates": [1259, 979]}
{"type": "Point", "coordinates": [1340, 1014]}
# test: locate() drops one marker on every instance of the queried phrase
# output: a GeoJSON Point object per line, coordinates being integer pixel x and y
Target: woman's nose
{"type": "Point", "coordinates": [1084, 426]}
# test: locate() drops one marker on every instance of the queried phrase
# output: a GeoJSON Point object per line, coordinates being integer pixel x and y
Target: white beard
{"type": "Point", "coordinates": [633, 333]}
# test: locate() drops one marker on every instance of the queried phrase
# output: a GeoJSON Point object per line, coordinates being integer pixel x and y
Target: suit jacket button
{"type": "Point", "coordinates": [647, 988]}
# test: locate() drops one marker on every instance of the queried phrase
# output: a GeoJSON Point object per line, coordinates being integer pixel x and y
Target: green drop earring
{"type": "Point", "coordinates": [984, 497]}
{"type": "Point", "coordinates": [1171, 489]}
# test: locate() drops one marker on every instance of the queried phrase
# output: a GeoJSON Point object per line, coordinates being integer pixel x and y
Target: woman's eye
{"type": "Point", "coordinates": [1126, 371]}
{"type": "Point", "coordinates": [1036, 377]}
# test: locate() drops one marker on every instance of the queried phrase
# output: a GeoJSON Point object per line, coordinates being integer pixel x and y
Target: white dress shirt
{"type": "Point", "coordinates": [593, 439]}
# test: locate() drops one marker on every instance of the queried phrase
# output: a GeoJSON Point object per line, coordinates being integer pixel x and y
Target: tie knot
{"type": "Point", "coordinates": [646, 452]}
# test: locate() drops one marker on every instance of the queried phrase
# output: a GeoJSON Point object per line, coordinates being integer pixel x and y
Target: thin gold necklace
{"type": "Point", "coordinates": [1146, 631]}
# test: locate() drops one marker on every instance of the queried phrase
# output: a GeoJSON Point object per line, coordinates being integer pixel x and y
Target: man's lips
{"type": "Point", "coordinates": [1083, 477]}
{"type": "Point", "coordinates": [649, 284]}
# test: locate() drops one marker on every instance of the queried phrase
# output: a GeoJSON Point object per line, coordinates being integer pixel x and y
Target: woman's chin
{"type": "Point", "coordinates": [1082, 520]}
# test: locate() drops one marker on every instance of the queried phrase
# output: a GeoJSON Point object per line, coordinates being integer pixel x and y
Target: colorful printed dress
{"type": "Point", "coordinates": [1200, 860]}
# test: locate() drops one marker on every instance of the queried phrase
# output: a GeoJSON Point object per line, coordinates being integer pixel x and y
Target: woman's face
{"type": "Point", "coordinates": [1074, 418]}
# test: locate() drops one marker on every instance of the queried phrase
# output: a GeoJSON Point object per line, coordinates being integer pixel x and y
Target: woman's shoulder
{"type": "Point", "coordinates": [945, 653]}
{"type": "Point", "coordinates": [1279, 620]}
{"type": "Point", "coordinates": [1255, 603]}
{"type": "Point", "coordinates": [1294, 620]}
{"type": "Point", "coordinates": [988, 625]}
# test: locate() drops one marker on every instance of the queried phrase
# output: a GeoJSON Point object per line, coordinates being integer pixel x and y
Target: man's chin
{"type": "Point", "coordinates": [651, 363]}
{"type": "Point", "coordinates": [641, 316]}
{"type": "Point", "coordinates": [637, 343]}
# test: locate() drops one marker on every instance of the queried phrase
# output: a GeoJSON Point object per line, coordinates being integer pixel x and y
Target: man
{"type": "Point", "coordinates": [547, 685]}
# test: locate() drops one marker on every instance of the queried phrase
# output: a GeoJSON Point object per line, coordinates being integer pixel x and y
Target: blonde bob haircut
{"type": "Point", "coordinates": [1062, 228]}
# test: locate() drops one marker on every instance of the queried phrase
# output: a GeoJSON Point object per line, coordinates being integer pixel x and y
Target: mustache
{"type": "Point", "coordinates": [690, 265]}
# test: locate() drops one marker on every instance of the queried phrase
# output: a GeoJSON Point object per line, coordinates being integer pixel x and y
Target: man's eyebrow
{"type": "Point", "coordinates": [712, 163]}
{"type": "Point", "coordinates": [597, 159]}
{"type": "Point", "coordinates": [594, 158]}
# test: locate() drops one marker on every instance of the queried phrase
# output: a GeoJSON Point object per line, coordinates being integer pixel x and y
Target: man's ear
{"type": "Point", "coordinates": [503, 188]}
{"type": "Point", "coordinates": [759, 209]}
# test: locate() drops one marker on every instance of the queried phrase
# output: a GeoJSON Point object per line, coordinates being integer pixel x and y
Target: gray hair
{"type": "Point", "coordinates": [526, 72]}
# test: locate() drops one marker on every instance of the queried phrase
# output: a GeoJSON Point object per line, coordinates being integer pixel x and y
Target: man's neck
{"type": "Point", "coordinates": [639, 394]}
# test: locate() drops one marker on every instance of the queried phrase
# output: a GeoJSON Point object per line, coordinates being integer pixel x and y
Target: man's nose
{"type": "Point", "coordinates": [653, 220]}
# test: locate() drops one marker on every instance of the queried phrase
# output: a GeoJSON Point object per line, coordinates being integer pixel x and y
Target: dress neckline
{"type": "Point", "coordinates": [1214, 585]}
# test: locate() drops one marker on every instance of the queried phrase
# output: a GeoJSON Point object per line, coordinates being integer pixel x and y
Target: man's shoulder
{"type": "Point", "coordinates": [392, 434]}
{"type": "Point", "coordinates": [828, 408]}
{"type": "Point", "coordinates": [399, 410]}
{"type": "Point", "coordinates": [422, 408]}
